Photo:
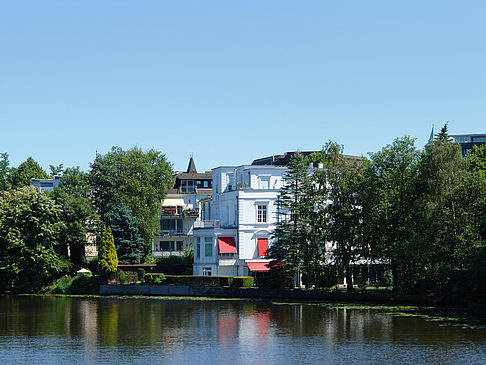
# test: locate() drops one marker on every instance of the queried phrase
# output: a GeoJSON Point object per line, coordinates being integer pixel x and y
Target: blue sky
{"type": "Point", "coordinates": [231, 81]}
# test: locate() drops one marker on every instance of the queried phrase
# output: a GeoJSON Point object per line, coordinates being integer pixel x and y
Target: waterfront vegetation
{"type": "Point", "coordinates": [418, 216]}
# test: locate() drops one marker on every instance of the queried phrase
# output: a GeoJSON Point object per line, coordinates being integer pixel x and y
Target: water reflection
{"type": "Point", "coordinates": [60, 329]}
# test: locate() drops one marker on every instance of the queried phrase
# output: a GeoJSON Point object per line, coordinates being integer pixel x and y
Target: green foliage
{"type": "Point", "coordinates": [361, 281]}
{"type": "Point", "coordinates": [136, 178]}
{"type": "Point", "coordinates": [141, 275]}
{"type": "Point", "coordinates": [129, 244]}
{"type": "Point", "coordinates": [93, 265]}
{"type": "Point", "coordinates": [79, 284]}
{"type": "Point", "coordinates": [154, 279]}
{"type": "Point", "coordinates": [122, 277]}
{"type": "Point", "coordinates": [107, 258]}
{"type": "Point", "coordinates": [344, 208]}
{"type": "Point", "coordinates": [242, 282]}
{"type": "Point", "coordinates": [30, 237]}
{"type": "Point", "coordinates": [4, 171]}
{"type": "Point", "coordinates": [29, 169]}
{"type": "Point", "coordinates": [298, 236]}
{"type": "Point", "coordinates": [79, 215]}
{"type": "Point", "coordinates": [392, 192]}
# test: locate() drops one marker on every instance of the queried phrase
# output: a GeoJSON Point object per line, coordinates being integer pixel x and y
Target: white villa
{"type": "Point", "coordinates": [238, 221]}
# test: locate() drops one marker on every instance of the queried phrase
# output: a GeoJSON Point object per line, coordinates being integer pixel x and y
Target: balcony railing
{"type": "Point", "coordinates": [172, 232]}
{"type": "Point", "coordinates": [179, 212]}
{"type": "Point", "coordinates": [206, 224]}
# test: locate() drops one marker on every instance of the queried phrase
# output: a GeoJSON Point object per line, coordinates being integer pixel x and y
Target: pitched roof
{"type": "Point", "coordinates": [192, 166]}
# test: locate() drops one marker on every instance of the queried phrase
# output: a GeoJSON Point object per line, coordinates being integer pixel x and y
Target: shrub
{"type": "Point", "coordinates": [93, 265]}
{"type": "Point", "coordinates": [85, 284]}
{"type": "Point", "coordinates": [361, 281]}
{"type": "Point", "coordinates": [80, 284]}
{"type": "Point", "coordinates": [141, 275]}
{"type": "Point", "coordinates": [242, 281]}
{"type": "Point", "coordinates": [122, 277]}
{"type": "Point", "coordinates": [154, 279]}
{"type": "Point", "coordinates": [62, 285]}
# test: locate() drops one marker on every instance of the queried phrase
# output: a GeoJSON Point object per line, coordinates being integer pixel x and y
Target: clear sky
{"type": "Point", "coordinates": [231, 81]}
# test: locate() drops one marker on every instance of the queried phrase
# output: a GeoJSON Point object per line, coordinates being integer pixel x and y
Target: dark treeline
{"type": "Point", "coordinates": [421, 214]}
{"type": "Point", "coordinates": [43, 235]}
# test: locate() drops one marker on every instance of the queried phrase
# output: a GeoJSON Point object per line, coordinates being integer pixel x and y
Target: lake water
{"type": "Point", "coordinates": [50, 329]}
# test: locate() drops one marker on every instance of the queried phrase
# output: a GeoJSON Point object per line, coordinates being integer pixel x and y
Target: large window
{"type": "Point", "coordinates": [171, 246]}
{"type": "Point", "coordinates": [208, 246]}
{"type": "Point", "coordinates": [198, 247]}
{"type": "Point", "coordinates": [262, 213]}
{"type": "Point", "coordinates": [187, 186]}
{"type": "Point", "coordinates": [174, 225]}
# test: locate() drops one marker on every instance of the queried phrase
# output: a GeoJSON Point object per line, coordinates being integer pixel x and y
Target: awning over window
{"type": "Point", "coordinates": [227, 245]}
{"type": "Point", "coordinates": [258, 266]}
{"type": "Point", "coordinates": [173, 202]}
{"type": "Point", "coordinates": [262, 247]}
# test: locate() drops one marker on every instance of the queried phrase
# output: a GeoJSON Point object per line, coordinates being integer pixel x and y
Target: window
{"type": "Point", "coordinates": [208, 246]}
{"type": "Point", "coordinates": [206, 271]}
{"type": "Point", "coordinates": [187, 186]}
{"type": "Point", "coordinates": [205, 184]}
{"type": "Point", "coordinates": [170, 246]}
{"type": "Point", "coordinates": [198, 247]}
{"type": "Point", "coordinates": [261, 213]}
{"type": "Point", "coordinates": [264, 182]}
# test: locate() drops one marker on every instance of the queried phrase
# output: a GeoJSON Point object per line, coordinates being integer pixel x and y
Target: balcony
{"type": "Point", "coordinates": [172, 233]}
{"type": "Point", "coordinates": [179, 212]}
{"type": "Point", "coordinates": [206, 224]}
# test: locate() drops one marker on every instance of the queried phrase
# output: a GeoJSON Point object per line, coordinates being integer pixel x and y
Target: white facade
{"type": "Point", "coordinates": [243, 213]}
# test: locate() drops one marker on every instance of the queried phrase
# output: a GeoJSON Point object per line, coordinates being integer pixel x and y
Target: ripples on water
{"type": "Point", "coordinates": [43, 329]}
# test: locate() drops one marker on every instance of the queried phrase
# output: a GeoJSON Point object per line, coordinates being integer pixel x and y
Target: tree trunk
{"type": "Point", "coordinates": [349, 278]}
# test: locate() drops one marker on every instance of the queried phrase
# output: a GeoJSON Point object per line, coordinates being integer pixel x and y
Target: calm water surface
{"type": "Point", "coordinates": [46, 329]}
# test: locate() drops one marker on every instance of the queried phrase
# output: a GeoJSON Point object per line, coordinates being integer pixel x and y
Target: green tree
{"type": "Point", "coordinates": [136, 178]}
{"type": "Point", "coordinates": [344, 208]}
{"type": "Point", "coordinates": [107, 257]}
{"type": "Point", "coordinates": [129, 244]}
{"type": "Point", "coordinates": [30, 240]}
{"type": "Point", "coordinates": [296, 248]}
{"type": "Point", "coordinates": [4, 171]}
{"type": "Point", "coordinates": [445, 210]}
{"type": "Point", "coordinates": [29, 169]}
{"type": "Point", "coordinates": [78, 214]}
{"type": "Point", "coordinates": [392, 191]}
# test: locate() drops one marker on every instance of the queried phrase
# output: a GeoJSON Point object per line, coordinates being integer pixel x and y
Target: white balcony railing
{"type": "Point", "coordinates": [206, 224]}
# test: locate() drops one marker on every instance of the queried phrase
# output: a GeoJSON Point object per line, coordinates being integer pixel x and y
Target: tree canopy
{"type": "Point", "coordinates": [30, 241]}
{"type": "Point", "coordinates": [135, 178]}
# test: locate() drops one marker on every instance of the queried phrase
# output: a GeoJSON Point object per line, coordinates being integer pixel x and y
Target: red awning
{"type": "Point", "coordinates": [258, 266]}
{"type": "Point", "coordinates": [227, 245]}
{"type": "Point", "coordinates": [262, 247]}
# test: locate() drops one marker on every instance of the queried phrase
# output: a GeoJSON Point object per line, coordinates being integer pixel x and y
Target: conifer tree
{"type": "Point", "coordinates": [129, 243]}
{"type": "Point", "coordinates": [296, 249]}
{"type": "Point", "coordinates": [107, 257]}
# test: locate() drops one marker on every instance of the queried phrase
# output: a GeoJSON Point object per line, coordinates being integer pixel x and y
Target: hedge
{"type": "Point", "coordinates": [234, 281]}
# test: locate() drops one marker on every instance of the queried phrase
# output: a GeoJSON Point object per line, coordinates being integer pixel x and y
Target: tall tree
{"type": "Point", "coordinates": [129, 244]}
{"type": "Point", "coordinates": [29, 169]}
{"type": "Point", "coordinates": [445, 218]}
{"type": "Point", "coordinates": [391, 207]}
{"type": "Point", "coordinates": [344, 208]}
{"type": "Point", "coordinates": [296, 248]}
{"type": "Point", "coordinates": [107, 257]}
{"type": "Point", "coordinates": [4, 171]}
{"type": "Point", "coordinates": [78, 214]}
{"type": "Point", "coordinates": [30, 237]}
{"type": "Point", "coordinates": [136, 178]}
